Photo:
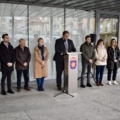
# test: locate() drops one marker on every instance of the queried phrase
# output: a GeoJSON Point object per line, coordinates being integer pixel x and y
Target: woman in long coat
{"type": "Point", "coordinates": [113, 61]}
{"type": "Point", "coordinates": [40, 63]}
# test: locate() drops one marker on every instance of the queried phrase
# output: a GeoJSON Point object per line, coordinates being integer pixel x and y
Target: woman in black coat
{"type": "Point", "coordinates": [112, 61]}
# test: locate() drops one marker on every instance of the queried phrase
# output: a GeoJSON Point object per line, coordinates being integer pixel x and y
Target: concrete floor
{"type": "Point", "coordinates": [97, 103]}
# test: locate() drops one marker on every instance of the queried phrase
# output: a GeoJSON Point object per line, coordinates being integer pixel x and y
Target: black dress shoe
{"type": "Point", "coordinates": [3, 92]}
{"type": "Point", "coordinates": [59, 88]}
{"type": "Point", "coordinates": [89, 85]}
{"type": "Point", "coordinates": [82, 85]}
{"type": "Point", "coordinates": [42, 89]}
{"type": "Point", "coordinates": [10, 91]}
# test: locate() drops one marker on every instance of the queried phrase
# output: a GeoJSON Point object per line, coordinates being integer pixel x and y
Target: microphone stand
{"type": "Point", "coordinates": [63, 90]}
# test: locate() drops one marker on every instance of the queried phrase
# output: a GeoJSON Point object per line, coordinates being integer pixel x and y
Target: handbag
{"type": "Point", "coordinates": [94, 65]}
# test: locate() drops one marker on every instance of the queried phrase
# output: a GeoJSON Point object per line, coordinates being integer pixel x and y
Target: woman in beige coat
{"type": "Point", "coordinates": [40, 63]}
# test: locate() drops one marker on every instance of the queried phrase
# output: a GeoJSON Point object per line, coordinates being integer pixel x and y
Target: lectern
{"type": "Point", "coordinates": [70, 73]}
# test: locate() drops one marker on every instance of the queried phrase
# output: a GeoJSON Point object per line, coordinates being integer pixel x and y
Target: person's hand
{"type": "Point", "coordinates": [25, 64]}
{"type": "Point", "coordinates": [64, 53]}
{"type": "Point", "coordinates": [43, 63]}
{"type": "Point", "coordinates": [115, 60]}
{"type": "Point", "coordinates": [9, 64]}
{"type": "Point", "coordinates": [90, 60]}
{"type": "Point", "coordinates": [103, 60]}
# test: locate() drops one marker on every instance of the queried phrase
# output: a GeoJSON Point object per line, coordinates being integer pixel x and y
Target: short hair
{"type": "Point", "coordinates": [21, 39]}
{"type": "Point", "coordinates": [39, 39]}
{"type": "Point", "coordinates": [88, 36]}
{"type": "Point", "coordinates": [64, 32]}
{"type": "Point", "coordinates": [4, 35]}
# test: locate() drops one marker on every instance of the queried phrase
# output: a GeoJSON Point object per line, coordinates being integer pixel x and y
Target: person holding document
{"type": "Point", "coordinates": [62, 46]}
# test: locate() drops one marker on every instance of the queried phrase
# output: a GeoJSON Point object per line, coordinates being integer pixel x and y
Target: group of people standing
{"type": "Point", "coordinates": [98, 55]}
{"type": "Point", "coordinates": [21, 56]}
{"type": "Point", "coordinates": [101, 57]}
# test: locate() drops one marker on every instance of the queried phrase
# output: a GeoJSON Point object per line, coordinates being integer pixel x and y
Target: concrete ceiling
{"type": "Point", "coordinates": [107, 5]}
{"type": "Point", "coordinates": [8, 9]}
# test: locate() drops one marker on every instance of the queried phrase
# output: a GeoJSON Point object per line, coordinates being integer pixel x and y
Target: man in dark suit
{"type": "Point", "coordinates": [62, 46]}
{"type": "Point", "coordinates": [7, 61]}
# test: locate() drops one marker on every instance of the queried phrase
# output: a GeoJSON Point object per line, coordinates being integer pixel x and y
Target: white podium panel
{"type": "Point", "coordinates": [71, 72]}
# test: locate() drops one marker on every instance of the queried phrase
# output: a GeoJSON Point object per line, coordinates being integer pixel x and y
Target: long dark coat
{"type": "Point", "coordinates": [6, 55]}
{"type": "Point", "coordinates": [110, 59]}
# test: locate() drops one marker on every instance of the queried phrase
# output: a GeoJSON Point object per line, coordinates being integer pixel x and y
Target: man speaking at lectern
{"type": "Point", "coordinates": [62, 46]}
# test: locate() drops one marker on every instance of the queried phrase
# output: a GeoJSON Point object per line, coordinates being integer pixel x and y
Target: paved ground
{"type": "Point", "coordinates": [97, 103]}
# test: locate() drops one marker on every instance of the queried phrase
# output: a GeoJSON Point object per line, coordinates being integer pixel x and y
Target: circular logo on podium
{"type": "Point", "coordinates": [73, 64]}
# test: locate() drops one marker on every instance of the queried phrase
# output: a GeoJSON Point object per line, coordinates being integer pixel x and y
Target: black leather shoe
{"type": "Point", "coordinates": [10, 91]}
{"type": "Point", "coordinates": [89, 85]}
{"type": "Point", "coordinates": [59, 88]}
{"type": "Point", "coordinates": [3, 92]}
{"type": "Point", "coordinates": [42, 89]}
{"type": "Point", "coordinates": [82, 86]}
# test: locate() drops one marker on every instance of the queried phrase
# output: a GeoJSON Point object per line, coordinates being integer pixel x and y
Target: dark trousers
{"type": "Point", "coordinates": [26, 78]}
{"type": "Point", "coordinates": [110, 74]}
{"type": "Point", "coordinates": [40, 81]}
{"type": "Point", "coordinates": [99, 73]}
{"type": "Point", "coordinates": [86, 66]}
{"type": "Point", "coordinates": [59, 70]}
{"type": "Point", "coordinates": [4, 75]}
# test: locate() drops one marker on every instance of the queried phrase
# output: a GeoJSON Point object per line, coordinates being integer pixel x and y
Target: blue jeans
{"type": "Point", "coordinates": [40, 81]}
{"type": "Point", "coordinates": [99, 72]}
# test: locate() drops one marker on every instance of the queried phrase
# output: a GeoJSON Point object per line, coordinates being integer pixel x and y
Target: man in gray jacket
{"type": "Point", "coordinates": [88, 56]}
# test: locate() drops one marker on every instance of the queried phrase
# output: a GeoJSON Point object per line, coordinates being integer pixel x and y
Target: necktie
{"type": "Point", "coordinates": [66, 46]}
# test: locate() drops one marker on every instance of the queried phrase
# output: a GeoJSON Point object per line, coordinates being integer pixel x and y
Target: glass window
{"type": "Point", "coordinates": [13, 21]}
{"type": "Point", "coordinates": [101, 28]}
{"type": "Point", "coordinates": [48, 23]}
{"type": "Point", "coordinates": [45, 22]}
{"type": "Point", "coordinates": [79, 23]}
{"type": "Point", "coordinates": [108, 27]}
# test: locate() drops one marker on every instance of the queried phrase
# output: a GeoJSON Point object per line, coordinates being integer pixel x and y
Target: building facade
{"type": "Point", "coordinates": [31, 22]}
